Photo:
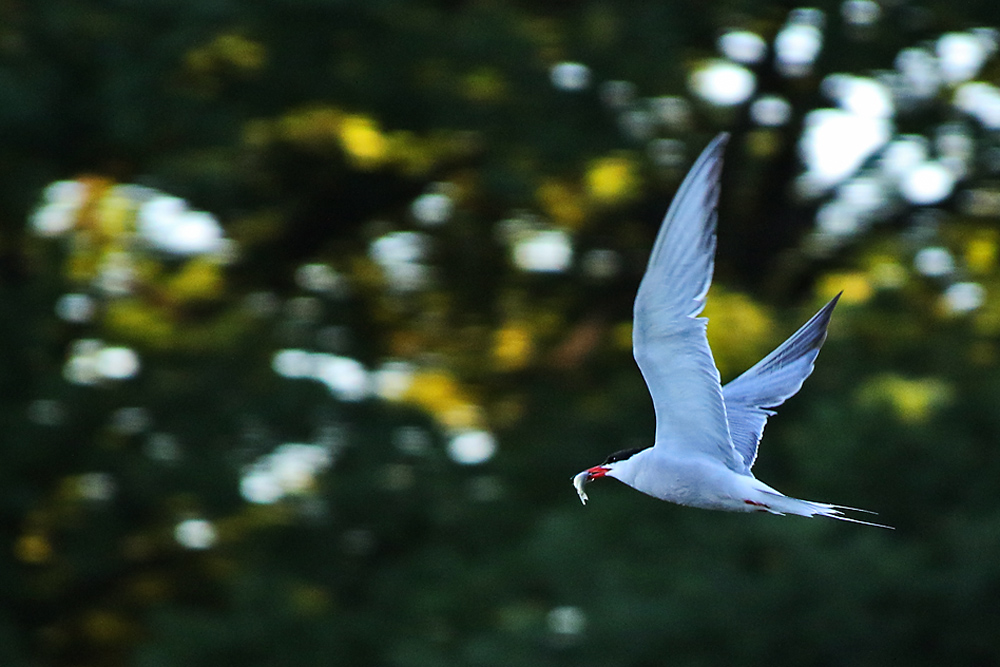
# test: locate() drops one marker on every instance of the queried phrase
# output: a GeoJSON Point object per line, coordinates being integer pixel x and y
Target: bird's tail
{"type": "Point", "coordinates": [781, 504]}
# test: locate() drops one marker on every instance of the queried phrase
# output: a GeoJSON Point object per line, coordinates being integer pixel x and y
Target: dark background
{"type": "Point", "coordinates": [309, 128]}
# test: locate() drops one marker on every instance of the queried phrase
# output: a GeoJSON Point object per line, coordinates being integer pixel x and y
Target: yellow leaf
{"type": "Point", "coordinates": [512, 346]}
{"type": "Point", "coordinates": [200, 279]}
{"type": "Point", "coordinates": [612, 179]}
{"type": "Point", "coordinates": [561, 203]}
{"type": "Point", "coordinates": [856, 286]}
{"type": "Point", "coordinates": [981, 254]}
{"type": "Point", "coordinates": [363, 141]}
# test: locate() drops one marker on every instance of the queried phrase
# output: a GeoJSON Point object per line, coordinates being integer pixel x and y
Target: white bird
{"type": "Point", "coordinates": [706, 434]}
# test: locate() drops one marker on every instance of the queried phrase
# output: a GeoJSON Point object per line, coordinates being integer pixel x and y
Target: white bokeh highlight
{"type": "Point", "coordinates": [196, 534]}
{"type": "Point", "coordinates": [346, 378]}
{"type": "Point", "coordinates": [964, 297]}
{"type": "Point", "coordinates": [934, 262]}
{"type": "Point", "coordinates": [393, 379]}
{"type": "Point", "coordinates": [861, 13]}
{"type": "Point", "coordinates": [723, 83]}
{"type": "Point", "coordinates": [835, 143]}
{"type": "Point", "coordinates": [927, 183]}
{"type": "Point", "coordinates": [472, 447]}
{"type": "Point", "coordinates": [771, 111]}
{"type": "Point", "coordinates": [400, 255]}
{"type": "Point", "coordinates": [542, 251]}
{"type": "Point", "coordinates": [168, 225]}
{"type": "Point", "coordinates": [76, 308]}
{"type": "Point", "coordinates": [743, 46]}
{"type": "Point", "coordinates": [570, 76]}
{"type": "Point", "coordinates": [961, 55]}
{"type": "Point", "coordinates": [291, 470]}
{"type": "Point", "coordinates": [432, 208]}
{"type": "Point", "coordinates": [799, 42]}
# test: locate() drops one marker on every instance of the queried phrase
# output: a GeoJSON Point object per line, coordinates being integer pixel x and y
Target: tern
{"type": "Point", "coordinates": [706, 434]}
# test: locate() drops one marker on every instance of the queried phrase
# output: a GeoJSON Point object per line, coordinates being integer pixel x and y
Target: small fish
{"type": "Point", "coordinates": [578, 482]}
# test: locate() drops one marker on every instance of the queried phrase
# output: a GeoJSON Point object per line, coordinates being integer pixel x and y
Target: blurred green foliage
{"type": "Point", "coordinates": [310, 127]}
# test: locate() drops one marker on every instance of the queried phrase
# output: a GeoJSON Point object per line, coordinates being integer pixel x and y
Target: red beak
{"type": "Point", "coordinates": [596, 473]}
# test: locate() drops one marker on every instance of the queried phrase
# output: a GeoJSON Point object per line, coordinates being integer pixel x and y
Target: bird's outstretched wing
{"type": "Point", "coordinates": [771, 381]}
{"type": "Point", "coordinates": [668, 337]}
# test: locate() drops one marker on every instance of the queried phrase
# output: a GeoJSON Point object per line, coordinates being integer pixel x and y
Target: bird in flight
{"type": "Point", "coordinates": [706, 434]}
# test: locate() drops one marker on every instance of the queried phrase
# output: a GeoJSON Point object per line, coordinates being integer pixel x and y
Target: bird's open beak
{"type": "Point", "coordinates": [596, 472]}
{"type": "Point", "coordinates": [586, 476]}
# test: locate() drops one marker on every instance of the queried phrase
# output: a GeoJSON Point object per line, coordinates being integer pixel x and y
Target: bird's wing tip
{"type": "Point", "coordinates": [719, 142]}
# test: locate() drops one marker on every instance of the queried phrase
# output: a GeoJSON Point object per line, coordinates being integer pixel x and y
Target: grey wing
{"type": "Point", "coordinates": [772, 381]}
{"type": "Point", "coordinates": [668, 337]}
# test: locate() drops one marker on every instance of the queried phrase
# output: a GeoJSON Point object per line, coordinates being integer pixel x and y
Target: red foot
{"type": "Point", "coordinates": [756, 504]}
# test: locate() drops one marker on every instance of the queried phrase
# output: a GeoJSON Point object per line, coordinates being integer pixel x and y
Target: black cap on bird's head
{"type": "Point", "coordinates": [621, 455]}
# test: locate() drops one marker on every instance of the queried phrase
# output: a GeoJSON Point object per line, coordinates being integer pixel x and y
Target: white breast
{"type": "Point", "coordinates": [695, 481]}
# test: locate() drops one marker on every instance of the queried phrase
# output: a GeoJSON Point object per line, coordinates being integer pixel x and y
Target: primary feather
{"type": "Point", "coordinates": [668, 337]}
{"type": "Point", "coordinates": [772, 381]}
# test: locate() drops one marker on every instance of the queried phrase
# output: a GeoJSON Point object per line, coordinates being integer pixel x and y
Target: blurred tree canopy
{"type": "Point", "coordinates": [311, 309]}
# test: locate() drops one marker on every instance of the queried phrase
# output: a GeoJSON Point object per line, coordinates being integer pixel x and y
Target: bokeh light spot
{"type": "Point", "coordinates": [543, 251]}
{"type": "Point", "coordinates": [197, 534]}
{"type": "Point", "coordinates": [76, 308]}
{"type": "Point", "coordinates": [771, 111]}
{"type": "Point", "coordinates": [570, 76]}
{"type": "Point", "coordinates": [260, 487]}
{"type": "Point", "coordinates": [934, 262]}
{"type": "Point", "coordinates": [432, 208]}
{"type": "Point", "coordinates": [117, 363]}
{"type": "Point", "coordinates": [961, 55]}
{"type": "Point", "coordinates": [928, 183]}
{"type": "Point", "coordinates": [392, 380]}
{"type": "Point", "coordinates": [346, 378]}
{"type": "Point", "coordinates": [723, 83]}
{"type": "Point", "coordinates": [836, 143]}
{"type": "Point", "coordinates": [964, 297]}
{"type": "Point", "coordinates": [861, 12]}
{"type": "Point", "coordinates": [796, 47]}
{"type": "Point", "coordinates": [472, 447]}
{"type": "Point", "coordinates": [293, 363]}
{"type": "Point", "coordinates": [743, 46]}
